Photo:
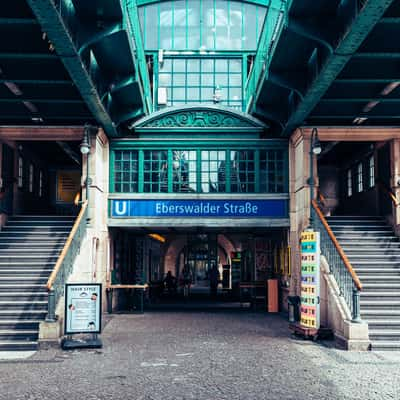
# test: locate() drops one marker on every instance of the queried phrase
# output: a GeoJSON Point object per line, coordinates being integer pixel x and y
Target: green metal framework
{"type": "Point", "coordinates": [210, 25]}
{"type": "Point", "coordinates": [86, 38]}
{"type": "Point", "coordinates": [194, 80]}
{"type": "Point", "coordinates": [331, 62]}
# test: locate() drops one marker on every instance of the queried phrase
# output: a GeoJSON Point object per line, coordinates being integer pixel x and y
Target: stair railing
{"type": "Point", "coordinates": [63, 267]}
{"type": "Point", "coordinates": [339, 265]}
{"type": "Point", "coordinates": [383, 188]}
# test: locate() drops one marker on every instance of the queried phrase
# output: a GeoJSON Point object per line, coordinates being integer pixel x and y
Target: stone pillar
{"type": "Point", "coordinates": [299, 190]}
{"type": "Point", "coordinates": [395, 180]}
{"type": "Point", "coordinates": [91, 263]}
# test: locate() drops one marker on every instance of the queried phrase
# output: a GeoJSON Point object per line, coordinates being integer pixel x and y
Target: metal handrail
{"type": "Point", "coordinates": [392, 196]}
{"type": "Point", "coordinates": [340, 266]}
{"type": "Point", "coordinates": [64, 264]}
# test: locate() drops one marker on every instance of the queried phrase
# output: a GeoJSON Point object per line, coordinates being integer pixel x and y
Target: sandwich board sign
{"type": "Point", "coordinates": [82, 314]}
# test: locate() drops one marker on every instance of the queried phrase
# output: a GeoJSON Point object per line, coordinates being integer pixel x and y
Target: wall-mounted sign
{"type": "Point", "coordinates": [271, 208]}
{"type": "Point", "coordinates": [82, 308]}
{"type": "Point", "coordinates": [310, 278]}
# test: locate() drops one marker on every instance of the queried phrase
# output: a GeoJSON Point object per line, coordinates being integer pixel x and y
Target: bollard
{"type": "Point", "coordinates": [51, 306]}
{"type": "Point", "coordinates": [356, 306]}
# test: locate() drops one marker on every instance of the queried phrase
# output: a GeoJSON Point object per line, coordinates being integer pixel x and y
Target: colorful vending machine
{"type": "Point", "coordinates": [310, 280]}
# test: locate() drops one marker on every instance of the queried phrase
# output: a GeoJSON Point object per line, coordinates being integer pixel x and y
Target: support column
{"type": "Point", "coordinates": [395, 180]}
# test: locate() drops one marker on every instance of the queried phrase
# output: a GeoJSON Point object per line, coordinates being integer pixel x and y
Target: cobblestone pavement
{"type": "Point", "coordinates": [202, 356]}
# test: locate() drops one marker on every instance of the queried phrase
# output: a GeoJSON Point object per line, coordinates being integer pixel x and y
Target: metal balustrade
{"type": "Point", "coordinates": [273, 25]}
{"type": "Point", "coordinates": [339, 265]}
{"type": "Point", "coordinates": [64, 265]}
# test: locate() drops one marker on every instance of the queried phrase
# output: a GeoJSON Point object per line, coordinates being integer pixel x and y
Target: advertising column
{"type": "Point", "coordinates": [310, 280]}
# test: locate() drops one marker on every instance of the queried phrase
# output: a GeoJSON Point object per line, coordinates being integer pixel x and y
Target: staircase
{"type": "Point", "coordinates": [374, 252]}
{"type": "Point", "coordinates": [29, 248]}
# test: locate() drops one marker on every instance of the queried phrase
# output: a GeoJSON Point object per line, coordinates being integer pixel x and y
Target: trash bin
{"type": "Point", "coordinates": [294, 308]}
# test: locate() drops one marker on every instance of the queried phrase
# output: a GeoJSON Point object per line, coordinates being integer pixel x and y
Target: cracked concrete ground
{"type": "Point", "coordinates": [203, 356]}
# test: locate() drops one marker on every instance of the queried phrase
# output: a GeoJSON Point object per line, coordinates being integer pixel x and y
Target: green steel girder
{"type": "Point", "coordinates": [352, 116]}
{"type": "Point", "coordinates": [360, 100]}
{"type": "Point", "coordinates": [285, 80]}
{"type": "Point", "coordinates": [269, 115]}
{"type": "Point", "coordinates": [317, 34]}
{"type": "Point", "coordinates": [55, 28]}
{"type": "Point", "coordinates": [390, 20]}
{"type": "Point", "coordinates": [130, 115]}
{"type": "Point", "coordinates": [99, 36]}
{"type": "Point", "coordinates": [370, 14]}
{"type": "Point", "coordinates": [43, 101]}
{"type": "Point", "coordinates": [377, 55]}
{"type": "Point", "coordinates": [18, 21]}
{"type": "Point", "coordinates": [28, 56]}
{"type": "Point", "coordinates": [389, 79]}
{"type": "Point", "coordinates": [38, 81]}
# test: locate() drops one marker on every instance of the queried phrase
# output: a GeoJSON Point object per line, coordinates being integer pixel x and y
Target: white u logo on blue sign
{"type": "Point", "coordinates": [121, 208]}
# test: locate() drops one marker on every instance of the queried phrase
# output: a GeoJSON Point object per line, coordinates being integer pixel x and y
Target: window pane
{"type": "Point", "coordinates": [208, 25]}
{"type": "Point", "coordinates": [221, 65]}
{"type": "Point", "coordinates": [213, 177]}
{"type": "Point", "coordinates": [193, 24]}
{"type": "Point", "coordinates": [152, 26]}
{"type": "Point", "coordinates": [235, 26]}
{"type": "Point", "coordinates": [184, 169]}
{"type": "Point", "coordinates": [126, 171]}
{"type": "Point", "coordinates": [165, 26]}
{"type": "Point", "coordinates": [193, 65]}
{"type": "Point", "coordinates": [179, 65]}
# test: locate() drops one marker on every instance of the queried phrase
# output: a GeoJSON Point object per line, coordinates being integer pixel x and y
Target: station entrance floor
{"type": "Point", "coordinates": [197, 268]}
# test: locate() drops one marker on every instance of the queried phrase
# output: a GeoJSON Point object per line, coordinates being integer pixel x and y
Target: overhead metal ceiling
{"type": "Point", "coordinates": [64, 63]}
{"type": "Point", "coordinates": [335, 63]}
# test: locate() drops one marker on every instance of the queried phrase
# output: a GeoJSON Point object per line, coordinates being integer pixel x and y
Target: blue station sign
{"type": "Point", "coordinates": [269, 208]}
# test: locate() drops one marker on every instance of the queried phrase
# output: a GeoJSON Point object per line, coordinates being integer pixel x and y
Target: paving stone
{"type": "Point", "coordinates": [201, 356]}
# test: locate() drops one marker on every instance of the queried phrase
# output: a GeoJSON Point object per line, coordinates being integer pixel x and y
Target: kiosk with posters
{"type": "Point", "coordinates": [82, 315]}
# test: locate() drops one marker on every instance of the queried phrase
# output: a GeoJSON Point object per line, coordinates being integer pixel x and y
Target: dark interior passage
{"type": "Point", "coordinates": [198, 266]}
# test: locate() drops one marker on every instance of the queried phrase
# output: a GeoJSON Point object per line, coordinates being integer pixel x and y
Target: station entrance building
{"type": "Point", "coordinates": [200, 137]}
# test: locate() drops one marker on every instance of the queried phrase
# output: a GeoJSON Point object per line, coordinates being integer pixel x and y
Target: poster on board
{"type": "Point", "coordinates": [82, 308]}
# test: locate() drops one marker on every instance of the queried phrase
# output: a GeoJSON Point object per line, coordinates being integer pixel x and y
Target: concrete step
{"type": "Point", "coordinates": [361, 229]}
{"type": "Point", "coordinates": [20, 324]}
{"type": "Point", "coordinates": [26, 279]}
{"type": "Point", "coordinates": [49, 222]}
{"type": "Point", "coordinates": [387, 270]}
{"type": "Point", "coordinates": [364, 234]}
{"type": "Point", "coordinates": [19, 334]}
{"type": "Point", "coordinates": [26, 258]}
{"type": "Point", "coordinates": [37, 236]}
{"type": "Point", "coordinates": [367, 246]}
{"type": "Point", "coordinates": [18, 345]}
{"type": "Point", "coordinates": [368, 305]}
{"type": "Point", "coordinates": [380, 295]}
{"type": "Point", "coordinates": [18, 272]}
{"type": "Point", "coordinates": [37, 251]}
{"type": "Point", "coordinates": [13, 287]}
{"type": "Point", "coordinates": [23, 305]}
{"type": "Point", "coordinates": [373, 263]}
{"type": "Point", "coordinates": [381, 314]}
{"type": "Point", "coordinates": [355, 217]}
{"type": "Point", "coordinates": [385, 345]}
{"type": "Point", "coordinates": [382, 278]}
{"type": "Point", "coordinates": [22, 314]}
{"type": "Point", "coordinates": [387, 287]}
{"type": "Point", "coordinates": [23, 296]}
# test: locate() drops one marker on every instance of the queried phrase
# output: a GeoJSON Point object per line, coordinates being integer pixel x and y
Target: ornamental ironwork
{"type": "Point", "coordinates": [207, 118]}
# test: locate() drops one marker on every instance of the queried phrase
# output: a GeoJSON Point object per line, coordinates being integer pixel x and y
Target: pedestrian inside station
{"type": "Point", "coordinates": [181, 152]}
